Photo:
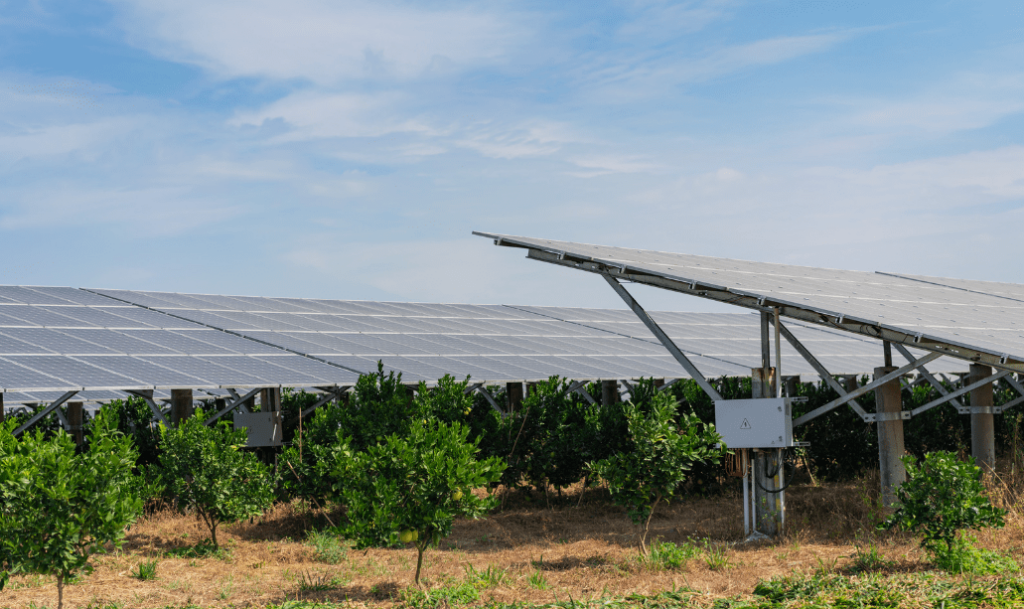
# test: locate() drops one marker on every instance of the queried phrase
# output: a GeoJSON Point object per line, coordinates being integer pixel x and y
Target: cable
{"type": "Point", "coordinates": [788, 464]}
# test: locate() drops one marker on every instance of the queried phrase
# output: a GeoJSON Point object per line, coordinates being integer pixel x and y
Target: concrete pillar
{"type": "Point", "coordinates": [851, 383]}
{"type": "Point", "coordinates": [514, 393]}
{"type": "Point", "coordinates": [769, 503]}
{"type": "Point", "coordinates": [76, 420]}
{"type": "Point", "coordinates": [181, 405]}
{"type": "Point", "coordinates": [530, 388]}
{"type": "Point", "coordinates": [888, 406]}
{"type": "Point", "coordinates": [609, 393]}
{"type": "Point", "coordinates": [983, 430]}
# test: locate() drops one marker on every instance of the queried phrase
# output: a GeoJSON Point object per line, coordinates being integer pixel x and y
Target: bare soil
{"type": "Point", "coordinates": [589, 551]}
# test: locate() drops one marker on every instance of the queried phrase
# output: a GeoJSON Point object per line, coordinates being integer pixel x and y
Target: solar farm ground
{"type": "Point", "coordinates": [570, 551]}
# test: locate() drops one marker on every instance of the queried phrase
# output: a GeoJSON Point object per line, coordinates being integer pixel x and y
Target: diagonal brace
{"type": "Point", "coordinates": [662, 337]}
{"type": "Point", "coordinates": [822, 371]}
{"type": "Point", "coordinates": [152, 405]}
{"type": "Point", "coordinates": [238, 402]}
{"type": "Point", "coordinates": [934, 382]}
{"type": "Point", "coordinates": [490, 398]}
{"type": "Point", "coordinates": [39, 415]}
{"type": "Point", "coordinates": [959, 392]}
{"type": "Point", "coordinates": [856, 393]}
{"type": "Point", "coordinates": [578, 387]}
{"type": "Point", "coordinates": [333, 394]}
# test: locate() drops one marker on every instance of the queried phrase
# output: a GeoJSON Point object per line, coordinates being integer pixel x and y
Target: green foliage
{"type": "Point", "coordinates": [964, 557]}
{"type": "Point", "coordinates": [666, 555]}
{"type": "Point", "coordinates": [145, 570]}
{"type": "Point", "coordinates": [135, 420]}
{"type": "Point", "coordinates": [327, 547]}
{"type": "Point", "coordinates": [419, 482]}
{"type": "Point", "coordinates": [206, 468]}
{"type": "Point", "coordinates": [657, 459]}
{"type": "Point", "coordinates": [59, 505]}
{"type": "Point", "coordinates": [942, 497]}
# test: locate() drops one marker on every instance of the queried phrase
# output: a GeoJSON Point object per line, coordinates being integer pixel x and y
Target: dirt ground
{"type": "Point", "coordinates": [536, 552]}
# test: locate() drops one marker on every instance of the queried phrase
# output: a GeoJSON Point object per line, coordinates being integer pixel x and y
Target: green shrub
{"type": "Point", "coordinates": [657, 459]}
{"type": "Point", "coordinates": [410, 488]}
{"type": "Point", "coordinates": [207, 469]}
{"type": "Point", "coordinates": [941, 498]}
{"type": "Point", "coordinates": [60, 505]}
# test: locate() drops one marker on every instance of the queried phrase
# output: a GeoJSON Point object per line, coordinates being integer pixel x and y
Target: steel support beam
{"type": "Point", "coordinates": [42, 413]}
{"type": "Point", "coordinates": [819, 368]}
{"type": "Point", "coordinates": [928, 376]}
{"type": "Point", "coordinates": [662, 337]}
{"type": "Point", "coordinates": [961, 391]}
{"type": "Point", "coordinates": [579, 387]}
{"type": "Point", "coordinates": [147, 396]}
{"type": "Point", "coordinates": [870, 418]}
{"type": "Point", "coordinates": [490, 399]}
{"type": "Point", "coordinates": [231, 406]}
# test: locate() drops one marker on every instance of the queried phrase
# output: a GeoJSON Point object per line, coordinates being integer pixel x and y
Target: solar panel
{"type": "Point", "coordinates": [77, 372]}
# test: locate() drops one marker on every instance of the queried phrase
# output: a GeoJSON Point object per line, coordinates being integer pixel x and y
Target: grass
{"type": "Point", "coordinates": [327, 547]}
{"type": "Point", "coordinates": [536, 556]}
{"type": "Point", "coordinates": [145, 571]}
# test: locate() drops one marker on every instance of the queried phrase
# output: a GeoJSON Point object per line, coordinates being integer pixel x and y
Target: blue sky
{"type": "Point", "coordinates": [346, 149]}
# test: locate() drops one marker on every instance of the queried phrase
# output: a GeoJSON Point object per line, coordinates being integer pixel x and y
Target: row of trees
{"type": "Point", "coordinates": [404, 468]}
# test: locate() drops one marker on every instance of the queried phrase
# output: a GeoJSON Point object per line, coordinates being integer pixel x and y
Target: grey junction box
{"type": "Point", "coordinates": [264, 428]}
{"type": "Point", "coordinates": [755, 423]}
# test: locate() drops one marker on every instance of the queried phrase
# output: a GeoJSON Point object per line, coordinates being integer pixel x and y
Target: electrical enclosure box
{"type": "Point", "coordinates": [755, 423]}
{"type": "Point", "coordinates": [263, 428]}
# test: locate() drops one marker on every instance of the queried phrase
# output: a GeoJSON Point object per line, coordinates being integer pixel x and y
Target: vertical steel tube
{"type": "Point", "coordinates": [744, 464]}
{"type": "Point", "coordinates": [778, 357]}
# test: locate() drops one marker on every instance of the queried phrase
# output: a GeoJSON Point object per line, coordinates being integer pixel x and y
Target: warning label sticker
{"type": "Point", "coordinates": [745, 424]}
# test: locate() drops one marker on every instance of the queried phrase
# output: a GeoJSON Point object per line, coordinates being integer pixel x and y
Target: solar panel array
{"type": "Point", "coordinates": [497, 343]}
{"type": "Point", "coordinates": [57, 339]}
{"type": "Point", "coordinates": [100, 342]}
{"type": "Point", "coordinates": [992, 324]}
{"type": "Point", "coordinates": [492, 343]}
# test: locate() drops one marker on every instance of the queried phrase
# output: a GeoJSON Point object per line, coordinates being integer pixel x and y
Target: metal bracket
{"type": "Point", "coordinates": [960, 392]}
{"type": "Point", "coordinates": [873, 417]}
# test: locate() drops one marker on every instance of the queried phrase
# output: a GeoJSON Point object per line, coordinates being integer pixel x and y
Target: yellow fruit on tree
{"type": "Point", "coordinates": [407, 536]}
{"type": "Point", "coordinates": [457, 495]}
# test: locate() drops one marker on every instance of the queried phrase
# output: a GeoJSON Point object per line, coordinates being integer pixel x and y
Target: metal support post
{"type": "Point", "coordinates": [609, 392]}
{"type": "Point", "coordinates": [76, 421]}
{"type": "Point", "coordinates": [270, 399]}
{"type": "Point", "coordinates": [2, 415]}
{"type": "Point", "coordinates": [888, 411]}
{"type": "Point", "coordinates": [983, 436]}
{"type": "Point", "coordinates": [514, 392]}
{"type": "Point", "coordinates": [768, 499]}
{"type": "Point", "coordinates": [181, 405]}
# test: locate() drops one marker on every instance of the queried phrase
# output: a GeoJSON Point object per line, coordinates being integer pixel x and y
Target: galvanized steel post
{"type": "Point", "coordinates": [983, 437]}
{"type": "Point", "coordinates": [769, 501]}
{"type": "Point", "coordinates": [889, 413]}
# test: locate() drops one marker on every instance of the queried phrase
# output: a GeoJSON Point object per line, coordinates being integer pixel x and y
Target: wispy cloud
{"type": "Point", "coordinates": [318, 40]}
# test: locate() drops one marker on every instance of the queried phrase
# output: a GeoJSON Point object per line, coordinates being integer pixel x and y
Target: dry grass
{"type": "Point", "coordinates": [582, 552]}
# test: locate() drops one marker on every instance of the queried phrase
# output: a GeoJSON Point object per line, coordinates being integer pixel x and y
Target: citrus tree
{"type": "Point", "coordinates": [409, 489]}
{"type": "Point", "coordinates": [656, 458]}
{"type": "Point", "coordinates": [942, 497]}
{"type": "Point", "coordinates": [59, 505]}
{"type": "Point", "coordinates": [207, 469]}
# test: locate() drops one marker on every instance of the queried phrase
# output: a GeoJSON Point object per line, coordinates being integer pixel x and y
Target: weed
{"type": "Point", "coordinates": [327, 547]}
{"type": "Point", "coordinates": [538, 581]}
{"type": "Point", "coordinates": [319, 582]}
{"type": "Point", "coordinates": [667, 555]}
{"type": "Point", "coordinates": [825, 567]}
{"type": "Point", "coordinates": [868, 558]}
{"type": "Point", "coordinates": [145, 571]}
{"type": "Point", "coordinates": [203, 549]}
{"type": "Point", "coordinates": [491, 577]}
{"type": "Point", "coordinates": [445, 596]}
{"type": "Point", "coordinates": [715, 557]}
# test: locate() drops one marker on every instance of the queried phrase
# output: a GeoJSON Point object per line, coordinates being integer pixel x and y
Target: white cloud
{"type": "Point", "coordinates": [319, 40]}
{"type": "Point", "coordinates": [536, 138]}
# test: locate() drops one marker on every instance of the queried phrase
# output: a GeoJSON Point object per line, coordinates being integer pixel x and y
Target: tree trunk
{"type": "Point", "coordinates": [213, 535]}
{"type": "Point", "coordinates": [60, 591]}
{"type": "Point", "coordinates": [647, 526]}
{"type": "Point", "coordinates": [419, 561]}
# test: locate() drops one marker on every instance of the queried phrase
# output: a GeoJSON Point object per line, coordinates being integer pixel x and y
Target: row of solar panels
{"type": "Point", "coordinates": [55, 339]}
{"type": "Point", "coordinates": [979, 315]}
